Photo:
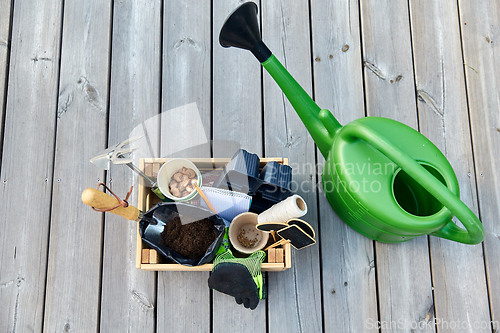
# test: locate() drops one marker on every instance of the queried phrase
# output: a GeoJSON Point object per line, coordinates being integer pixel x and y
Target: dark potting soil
{"type": "Point", "coordinates": [190, 240]}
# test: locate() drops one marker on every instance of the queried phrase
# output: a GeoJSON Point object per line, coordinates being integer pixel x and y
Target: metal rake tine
{"type": "Point", "coordinates": [129, 141]}
{"type": "Point", "coordinates": [118, 155]}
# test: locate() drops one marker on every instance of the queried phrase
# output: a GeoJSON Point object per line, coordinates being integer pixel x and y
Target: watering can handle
{"type": "Point", "coordinates": [473, 232]}
{"type": "Point", "coordinates": [100, 200]}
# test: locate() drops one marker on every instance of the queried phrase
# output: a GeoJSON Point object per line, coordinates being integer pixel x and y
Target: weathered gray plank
{"type": "Point", "coordinates": [27, 163]}
{"type": "Point", "coordinates": [481, 38]}
{"type": "Point", "coordinates": [186, 79]}
{"type": "Point", "coordinates": [458, 273]}
{"type": "Point", "coordinates": [236, 116]}
{"type": "Point", "coordinates": [387, 60]}
{"type": "Point", "coordinates": [129, 306]}
{"type": "Point", "coordinates": [5, 22]}
{"type": "Point", "coordinates": [236, 86]}
{"type": "Point", "coordinates": [184, 297]}
{"type": "Point", "coordinates": [403, 272]}
{"type": "Point", "coordinates": [76, 231]}
{"type": "Point", "coordinates": [348, 266]}
{"type": "Point", "coordinates": [285, 29]}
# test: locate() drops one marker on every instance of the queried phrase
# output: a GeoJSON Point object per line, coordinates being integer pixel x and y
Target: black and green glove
{"type": "Point", "coordinates": [239, 277]}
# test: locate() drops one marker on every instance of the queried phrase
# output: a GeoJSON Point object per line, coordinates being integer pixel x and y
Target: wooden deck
{"type": "Point", "coordinates": [77, 76]}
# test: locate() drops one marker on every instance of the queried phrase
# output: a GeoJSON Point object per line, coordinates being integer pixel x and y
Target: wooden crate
{"type": "Point", "coordinates": [149, 260]}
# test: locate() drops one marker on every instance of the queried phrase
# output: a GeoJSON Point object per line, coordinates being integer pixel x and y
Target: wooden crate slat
{"type": "Point", "coordinates": [145, 256]}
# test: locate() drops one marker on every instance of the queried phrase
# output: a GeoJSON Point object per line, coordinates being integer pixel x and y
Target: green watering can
{"type": "Point", "coordinates": [383, 178]}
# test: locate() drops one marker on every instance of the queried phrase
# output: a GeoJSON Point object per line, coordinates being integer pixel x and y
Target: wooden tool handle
{"type": "Point", "coordinates": [100, 200]}
{"type": "Point", "coordinates": [202, 195]}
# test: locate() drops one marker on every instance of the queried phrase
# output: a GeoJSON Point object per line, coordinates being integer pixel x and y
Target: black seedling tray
{"type": "Point", "coordinates": [269, 187]}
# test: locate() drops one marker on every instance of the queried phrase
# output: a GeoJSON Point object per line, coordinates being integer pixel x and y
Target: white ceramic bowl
{"type": "Point", "coordinates": [168, 169]}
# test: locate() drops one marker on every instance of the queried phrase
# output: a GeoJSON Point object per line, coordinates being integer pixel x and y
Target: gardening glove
{"type": "Point", "coordinates": [224, 246]}
{"type": "Point", "coordinates": [239, 277]}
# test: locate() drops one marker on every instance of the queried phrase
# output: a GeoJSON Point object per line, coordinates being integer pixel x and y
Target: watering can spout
{"type": "Point", "coordinates": [320, 123]}
{"type": "Point", "coordinates": [241, 30]}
